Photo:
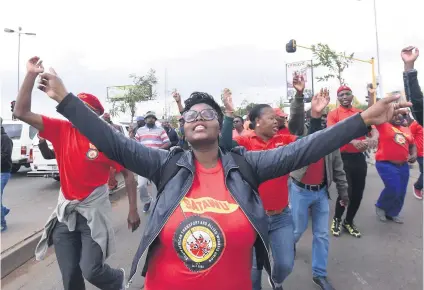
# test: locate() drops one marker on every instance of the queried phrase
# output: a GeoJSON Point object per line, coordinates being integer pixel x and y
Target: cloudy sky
{"type": "Point", "coordinates": [203, 45]}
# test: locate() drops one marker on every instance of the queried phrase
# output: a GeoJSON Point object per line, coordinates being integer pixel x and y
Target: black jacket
{"type": "Point", "coordinates": [147, 162]}
{"type": "Point", "coordinates": [414, 94]}
{"type": "Point", "coordinates": [173, 137]}
{"type": "Point", "coordinates": [6, 152]}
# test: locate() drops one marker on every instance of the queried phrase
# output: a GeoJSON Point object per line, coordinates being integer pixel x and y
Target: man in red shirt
{"type": "Point", "coordinates": [417, 132]}
{"type": "Point", "coordinates": [395, 149]}
{"type": "Point", "coordinates": [282, 122]}
{"type": "Point", "coordinates": [82, 235]}
{"type": "Point", "coordinates": [355, 165]}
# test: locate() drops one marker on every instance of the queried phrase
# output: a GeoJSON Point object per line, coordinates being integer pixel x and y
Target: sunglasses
{"type": "Point", "coordinates": [206, 115]}
{"type": "Point", "coordinates": [347, 94]}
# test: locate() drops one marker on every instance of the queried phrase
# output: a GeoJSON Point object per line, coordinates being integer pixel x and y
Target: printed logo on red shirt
{"type": "Point", "coordinates": [92, 153]}
{"type": "Point", "coordinates": [400, 139]}
{"type": "Point", "coordinates": [199, 242]}
{"type": "Point", "coordinates": [207, 204]}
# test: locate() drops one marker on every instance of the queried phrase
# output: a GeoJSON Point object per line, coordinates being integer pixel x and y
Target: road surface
{"type": "Point", "coordinates": [388, 256]}
{"type": "Point", "coordinates": [31, 200]}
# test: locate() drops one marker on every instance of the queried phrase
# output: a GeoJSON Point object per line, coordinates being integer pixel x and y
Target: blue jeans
{"type": "Point", "coordinates": [300, 201]}
{"type": "Point", "coordinates": [395, 179]}
{"type": "Point", "coordinates": [4, 179]}
{"type": "Point", "coordinates": [419, 183]}
{"type": "Point", "coordinates": [280, 228]}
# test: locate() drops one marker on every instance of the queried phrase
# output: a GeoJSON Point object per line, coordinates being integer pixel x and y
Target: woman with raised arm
{"type": "Point", "coordinates": [207, 219]}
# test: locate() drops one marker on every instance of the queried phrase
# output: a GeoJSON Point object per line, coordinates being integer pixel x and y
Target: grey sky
{"type": "Point", "coordinates": [240, 45]}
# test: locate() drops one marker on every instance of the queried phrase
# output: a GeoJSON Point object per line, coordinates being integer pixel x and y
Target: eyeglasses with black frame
{"type": "Point", "coordinates": [206, 115]}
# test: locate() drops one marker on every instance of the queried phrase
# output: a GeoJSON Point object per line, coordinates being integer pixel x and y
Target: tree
{"type": "Point", "coordinates": [335, 62]}
{"type": "Point", "coordinates": [141, 90]}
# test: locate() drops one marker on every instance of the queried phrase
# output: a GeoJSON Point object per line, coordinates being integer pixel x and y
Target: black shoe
{"type": "Point", "coordinates": [336, 227]}
{"type": "Point", "coordinates": [323, 283]}
{"type": "Point", "coordinates": [352, 229]}
{"type": "Point", "coordinates": [146, 207]}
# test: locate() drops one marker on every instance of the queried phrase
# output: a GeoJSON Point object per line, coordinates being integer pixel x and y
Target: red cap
{"type": "Point", "coordinates": [343, 88]}
{"type": "Point", "coordinates": [279, 113]}
{"type": "Point", "coordinates": [92, 101]}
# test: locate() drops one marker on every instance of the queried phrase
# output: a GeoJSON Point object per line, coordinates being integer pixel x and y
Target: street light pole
{"type": "Point", "coordinates": [19, 32]}
{"type": "Point", "coordinates": [378, 51]}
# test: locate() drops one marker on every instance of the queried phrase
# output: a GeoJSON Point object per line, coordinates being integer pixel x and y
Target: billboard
{"type": "Point", "coordinates": [303, 68]}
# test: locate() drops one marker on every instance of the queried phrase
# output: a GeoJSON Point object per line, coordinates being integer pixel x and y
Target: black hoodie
{"type": "Point", "coordinates": [6, 152]}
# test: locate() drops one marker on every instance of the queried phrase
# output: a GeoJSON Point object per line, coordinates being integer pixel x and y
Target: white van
{"type": "Point", "coordinates": [48, 168]}
{"type": "Point", "coordinates": [22, 135]}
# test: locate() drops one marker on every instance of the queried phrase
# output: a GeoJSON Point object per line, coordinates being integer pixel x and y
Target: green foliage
{"type": "Point", "coordinates": [244, 108]}
{"type": "Point", "coordinates": [141, 90]}
{"type": "Point", "coordinates": [334, 61]}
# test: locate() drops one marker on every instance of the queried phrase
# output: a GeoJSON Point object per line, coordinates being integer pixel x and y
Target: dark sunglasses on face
{"type": "Point", "coordinates": [347, 94]}
{"type": "Point", "coordinates": [206, 114]}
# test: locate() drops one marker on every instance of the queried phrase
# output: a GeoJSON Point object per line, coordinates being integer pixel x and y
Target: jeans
{"type": "Point", "coordinates": [144, 194]}
{"type": "Point", "coordinates": [282, 248]}
{"type": "Point", "coordinates": [79, 257]}
{"type": "Point", "coordinates": [300, 201]}
{"type": "Point", "coordinates": [419, 183]}
{"type": "Point", "coordinates": [355, 167]}
{"type": "Point", "coordinates": [395, 179]}
{"type": "Point", "coordinates": [5, 176]}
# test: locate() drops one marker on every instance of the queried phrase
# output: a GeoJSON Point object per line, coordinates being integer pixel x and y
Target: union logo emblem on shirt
{"type": "Point", "coordinates": [400, 139]}
{"type": "Point", "coordinates": [199, 243]}
{"type": "Point", "coordinates": [92, 153]}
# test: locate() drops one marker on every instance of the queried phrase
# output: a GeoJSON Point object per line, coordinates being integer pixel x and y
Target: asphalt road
{"type": "Point", "coordinates": [387, 257]}
{"type": "Point", "coordinates": [31, 200]}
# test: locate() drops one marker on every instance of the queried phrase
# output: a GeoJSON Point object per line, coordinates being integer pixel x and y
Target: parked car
{"type": "Point", "coordinates": [22, 135]}
{"type": "Point", "coordinates": [48, 168]}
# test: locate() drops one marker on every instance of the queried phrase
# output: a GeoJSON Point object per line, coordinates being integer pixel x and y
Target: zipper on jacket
{"type": "Point", "coordinates": [253, 225]}
{"type": "Point", "coordinates": [158, 232]}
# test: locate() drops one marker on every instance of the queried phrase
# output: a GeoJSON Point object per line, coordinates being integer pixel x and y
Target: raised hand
{"type": "Point", "coordinates": [384, 110]}
{"type": "Point", "coordinates": [35, 65]}
{"type": "Point", "coordinates": [410, 54]}
{"type": "Point", "coordinates": [176, 96]}
{"type": "Point", "coordinates": [299, 83]}
{"type": "Point", "coordinates": [52, 85]}
{"type": "Point", "coordinates": [319, 102]}
{"type": "Point", "coordinates": [227, 99]}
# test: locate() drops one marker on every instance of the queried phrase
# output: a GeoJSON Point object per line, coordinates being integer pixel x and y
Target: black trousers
{"type": "Point", "coordinates": [355, 167]}
{"type": "Point", "coordinates": [79, 257]}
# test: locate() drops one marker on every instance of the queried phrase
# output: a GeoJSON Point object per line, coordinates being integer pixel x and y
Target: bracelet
{"type": "Point", "coordinates": [229, 112]}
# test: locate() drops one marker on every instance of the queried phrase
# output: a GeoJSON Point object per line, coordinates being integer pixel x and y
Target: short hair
{"type": "Point", "coordinates": [238, 117]}
{"type": "Point", "coordinates": [256, 112]}
{"type": "Point", "coordinates": [204, 98]}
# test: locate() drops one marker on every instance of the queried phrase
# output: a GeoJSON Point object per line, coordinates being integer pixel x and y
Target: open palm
{"type": "Point", "coordinates": [227, 99]}
{"type": "Point", "coordinates": [320, 101]}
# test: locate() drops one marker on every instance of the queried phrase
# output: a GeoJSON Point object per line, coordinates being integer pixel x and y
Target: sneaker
{"type": "Point", "coordinates": [146, 207]}
{"type": "Point", "coordinates": [381, 214]}
{"type": "Point", "coordinates": [418, 193]}
{"type": "Point", "coordinates": [124, 285]}
{"type": "Point", "coordinates": [323, 283]}
{"type": "Point", "coordinates": [336, 227]}
{"type": "Point", "coordinates": [352, 229]}
{"type": "Point", "coordinates": [397, 219]}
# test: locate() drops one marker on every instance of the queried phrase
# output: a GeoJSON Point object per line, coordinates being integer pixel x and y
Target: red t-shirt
{"type": "Point", "coordinates": [82, 167]}
{"type": "Point", "coordinates": [393, 143]}
{"type": "Point", "coordinates": [417, 133]}
{"type": "Point", "coordinates": [284, 131]}
{"type": "Point", "coordinates": [207, 242]}
{"type": "Point", "coordinates": [339, 114]}
{"type": "Point", "coordinates": [274, 193]}
{"type": "Point", "coordinates": [314, 175]}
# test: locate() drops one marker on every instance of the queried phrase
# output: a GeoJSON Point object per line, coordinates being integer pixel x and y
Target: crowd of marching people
{"type": "Point", "coordinates": [227, 196]}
